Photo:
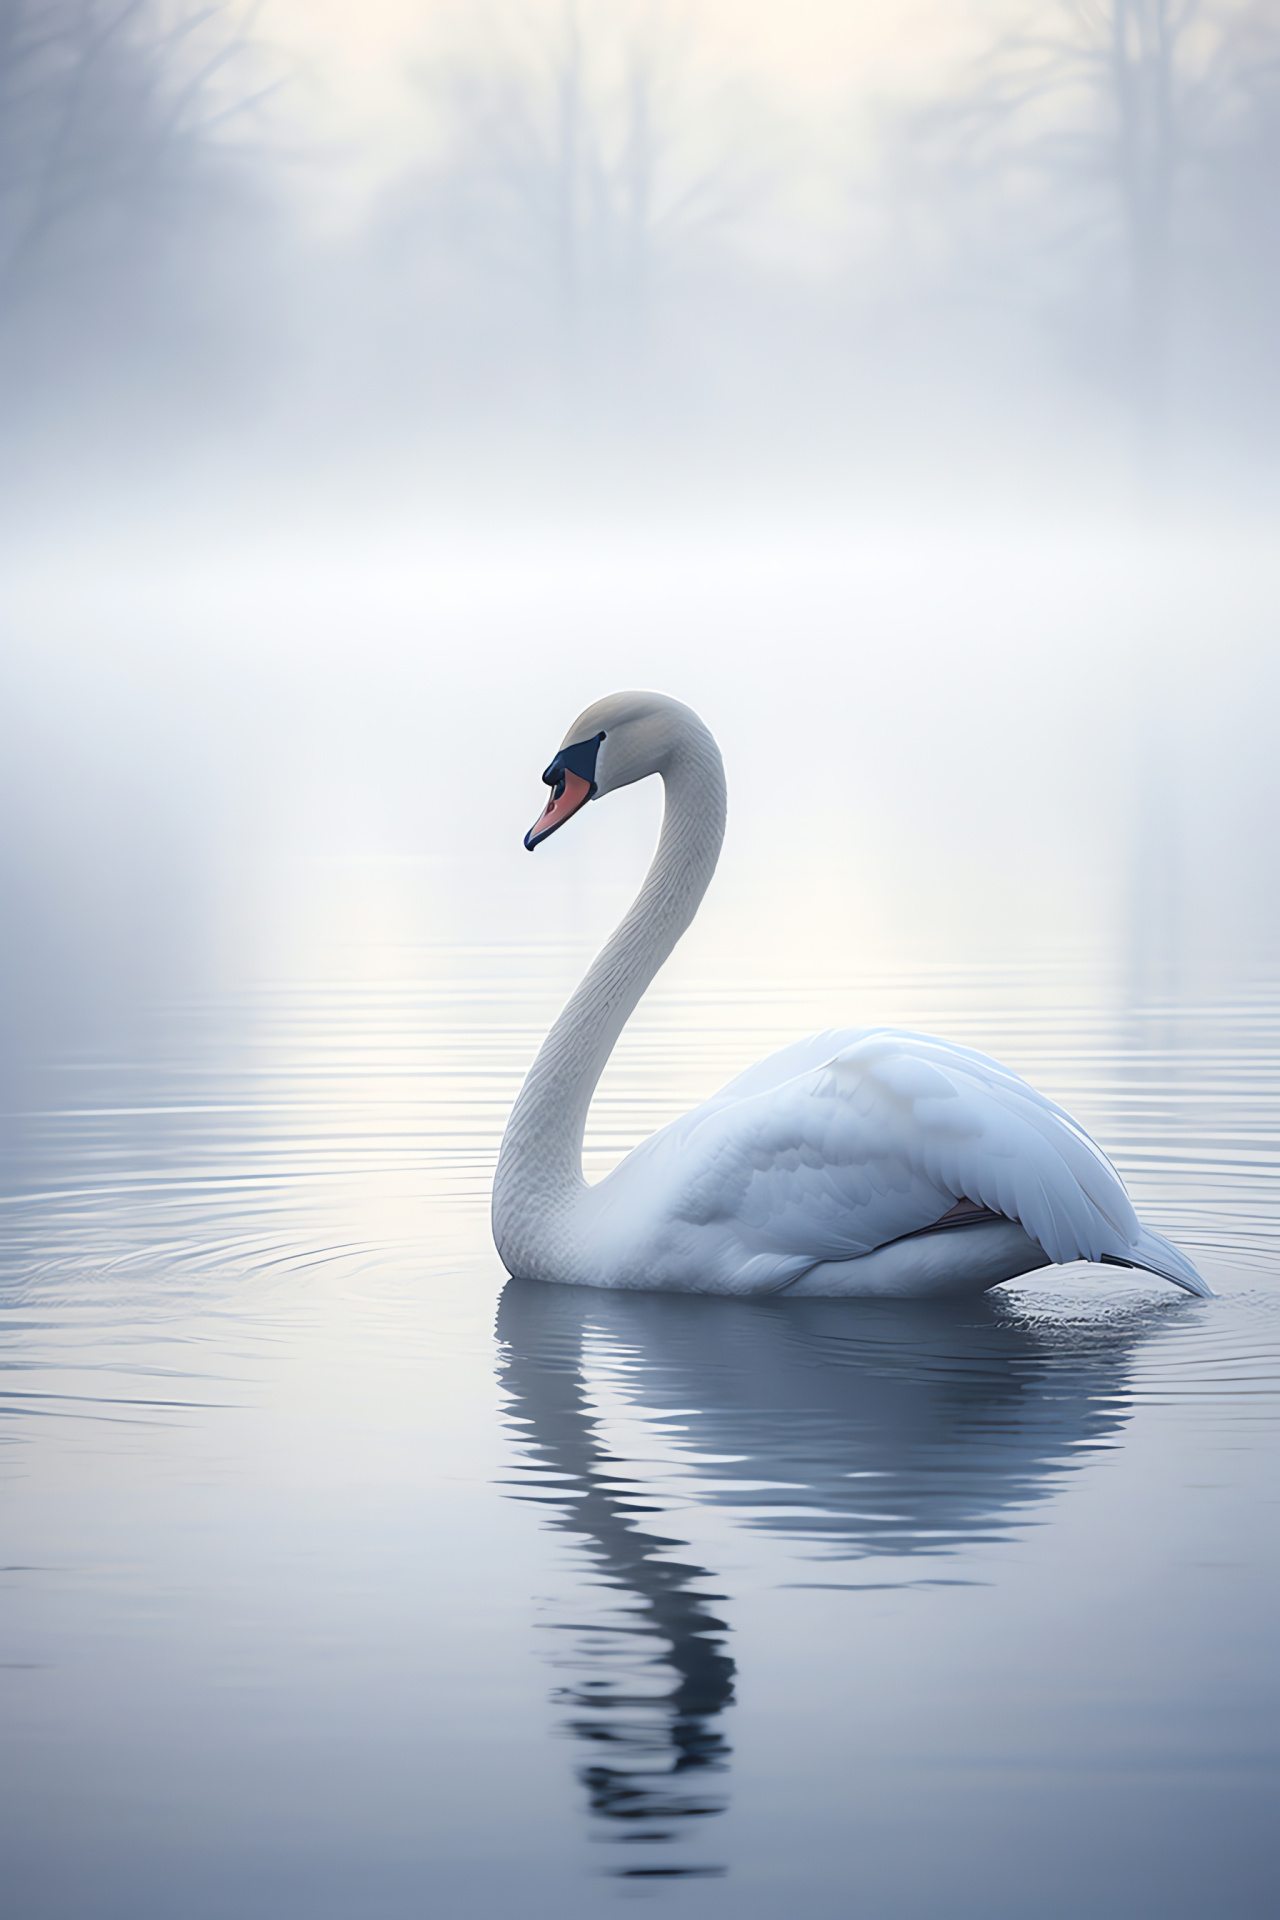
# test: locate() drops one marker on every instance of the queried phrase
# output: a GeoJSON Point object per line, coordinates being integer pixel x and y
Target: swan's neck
{"type": "Point", "coordinates": [539, 1180]}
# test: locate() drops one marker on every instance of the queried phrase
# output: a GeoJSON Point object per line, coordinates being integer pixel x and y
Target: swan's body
{"type": "Point", "coordinates": [859, 1162]}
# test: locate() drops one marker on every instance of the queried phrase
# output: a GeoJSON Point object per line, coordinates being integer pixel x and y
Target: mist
{"type": "Point", "coordinates": [381, 386]}
{"type": "Point", "coordinates": [607, 240]}
{"type": "Point", "coordinates": [918, 425]}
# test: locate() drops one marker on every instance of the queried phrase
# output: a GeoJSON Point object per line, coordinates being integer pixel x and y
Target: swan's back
{"type": "Point", "coordinates": [852, 1139]}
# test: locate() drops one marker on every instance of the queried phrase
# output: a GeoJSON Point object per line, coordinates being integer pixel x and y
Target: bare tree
{"type": "Point", "coordinates": [1092, 122]}
{"type": "Point", "coordinates": [565, 194]}
{"type": "Point", "coordinates": [106, 107]}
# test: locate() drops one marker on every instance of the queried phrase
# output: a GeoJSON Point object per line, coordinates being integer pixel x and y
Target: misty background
{"type": "Point", "coordinates": [896, 385]}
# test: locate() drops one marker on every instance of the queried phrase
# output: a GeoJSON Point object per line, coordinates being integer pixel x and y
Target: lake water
{"type": "Point", "coordinates": [343, 1579]}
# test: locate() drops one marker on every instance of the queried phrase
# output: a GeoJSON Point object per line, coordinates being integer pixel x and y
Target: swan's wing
{"type": "Point", "coordinates": [802, 1056]}
{"type": "Point", "coordinates": [878, 1141]}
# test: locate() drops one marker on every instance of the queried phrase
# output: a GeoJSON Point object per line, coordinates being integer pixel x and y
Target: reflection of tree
{"type": "Point", "coordinates": [1155, 902]}
{"type": "Point", "coordinates": [862, 1428]}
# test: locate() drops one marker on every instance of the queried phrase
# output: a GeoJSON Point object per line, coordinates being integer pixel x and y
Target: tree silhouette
{"type": "Point", "coordinates": [106, 108]}
{"type": "Point", "coordinates": [568, 187]}
{"type": "Point", "coordinates": [1095, 132]}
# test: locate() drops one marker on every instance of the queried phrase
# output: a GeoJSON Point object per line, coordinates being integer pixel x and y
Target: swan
{"type": "Point", "coordinates": [861, 1161]}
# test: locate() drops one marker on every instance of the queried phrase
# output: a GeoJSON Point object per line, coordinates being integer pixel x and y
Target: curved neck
{"type": "Point", "coordinates": [539, 1172]}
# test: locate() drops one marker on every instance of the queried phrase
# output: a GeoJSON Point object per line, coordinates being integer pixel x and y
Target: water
{"type": "Point", "coordinates": [342, 1579]}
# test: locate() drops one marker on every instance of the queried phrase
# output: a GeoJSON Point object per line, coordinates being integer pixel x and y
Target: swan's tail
{"type": "Point", "coordinates": [1155, 1255]}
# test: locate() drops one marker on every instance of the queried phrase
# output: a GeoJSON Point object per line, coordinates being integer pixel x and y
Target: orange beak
{"type": "Point", "coordinates": [569, 794]}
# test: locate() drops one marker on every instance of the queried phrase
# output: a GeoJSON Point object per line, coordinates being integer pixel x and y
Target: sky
{"type": "Point", "coordinates": [357, 68]}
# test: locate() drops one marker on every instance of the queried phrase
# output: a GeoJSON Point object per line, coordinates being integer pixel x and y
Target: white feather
{"type": "Point", "coordinates": [783, 1169]}
{"type": "Point", "coordinates": [827, 1168]}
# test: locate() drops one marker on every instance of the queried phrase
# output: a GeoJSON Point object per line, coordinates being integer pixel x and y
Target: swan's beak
{"type": "Point", "coordinates": [570, 792]}
{"type": "Point", "coordinates": [572, 780]}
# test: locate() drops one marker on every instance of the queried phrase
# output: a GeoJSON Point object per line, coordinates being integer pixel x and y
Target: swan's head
{"type": "Point", "coordinates": [619, 740]}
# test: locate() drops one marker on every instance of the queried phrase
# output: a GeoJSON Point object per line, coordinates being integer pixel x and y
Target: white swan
{"type": "Point", "coordinates": [864, 1161]}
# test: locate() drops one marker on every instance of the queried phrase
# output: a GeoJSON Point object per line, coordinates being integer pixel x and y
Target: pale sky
{"type": "Point", "coordinates": [809, 60]}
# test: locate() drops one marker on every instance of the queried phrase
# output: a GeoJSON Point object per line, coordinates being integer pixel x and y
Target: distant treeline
{"type": "Point", "coordinates": [1079, 241]}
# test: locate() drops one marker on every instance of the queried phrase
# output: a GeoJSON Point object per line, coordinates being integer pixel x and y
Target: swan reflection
{"type": "Point", "coordinates": [888, 1429]}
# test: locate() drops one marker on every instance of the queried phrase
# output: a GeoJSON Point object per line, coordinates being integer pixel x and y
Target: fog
{"type": "Point", "coordinates": [911, 410]}
{"type": "Point", "coordinates": [380, 385]}
{"type": "Point", "coordinates": [1034, 249]}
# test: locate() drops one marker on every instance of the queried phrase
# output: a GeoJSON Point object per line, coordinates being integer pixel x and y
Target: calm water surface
{"type": "Point", "coordinates": [343, 1580]}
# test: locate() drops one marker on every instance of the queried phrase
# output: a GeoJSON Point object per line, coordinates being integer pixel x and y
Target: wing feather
{"type": "Point", "coordinates": [853, 1139]}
